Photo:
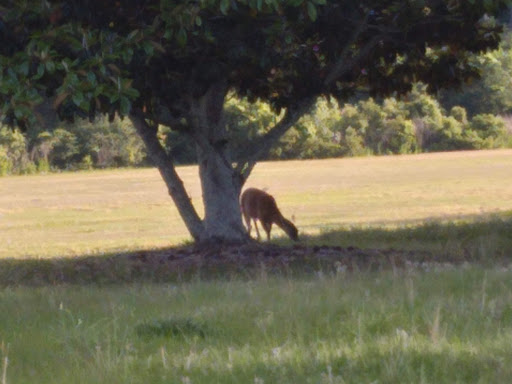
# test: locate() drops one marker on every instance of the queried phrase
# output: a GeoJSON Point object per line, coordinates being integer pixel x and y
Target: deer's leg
{"type": "Point", "coordinates": [248, 223]}
{"type": "Point", "coordinates": [257, 230]}
{"type": "Point", "coordinates": [267, 226]}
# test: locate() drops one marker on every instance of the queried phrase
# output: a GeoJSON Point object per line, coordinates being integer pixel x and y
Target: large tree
{"type": "Point", "coordinates": [172, 62]}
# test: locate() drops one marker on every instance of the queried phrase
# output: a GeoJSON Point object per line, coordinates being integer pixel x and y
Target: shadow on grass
{"type": "Point", "coordinates": [471, 237]}
{"type": "Point", "coordinates": [485, 240]}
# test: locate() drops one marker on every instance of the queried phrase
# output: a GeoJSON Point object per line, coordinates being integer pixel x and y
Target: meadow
{"type": "Point", "coordinates": [444, 320]}
{"type": "Point", "coordinates": [71, 214]}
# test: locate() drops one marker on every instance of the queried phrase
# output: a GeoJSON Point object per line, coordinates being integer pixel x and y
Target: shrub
{"type": "Point", "coordinates": [6, 165]}
{"type": "Point", "coordinates": [86, 164]}
{"type": "Point", "coordinates": [489, 128]}
{"type": "Point", "coordinates": [43, 166]}
{"type": "Point", "coordinates": [353, 144]}
{"type": "Point", "coordinates": [65, 149]}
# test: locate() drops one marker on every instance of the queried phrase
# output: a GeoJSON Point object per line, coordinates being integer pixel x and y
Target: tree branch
{"type": "Point", "coordinates": [344, 67]}
{"type": "Point", "coordinates": [262, 145]}
{"type": "Point", "coordinates": [204, 123]}
{"type": "Point", "coordinates": [339, 67]}
{"type": "Point", "coordinates": [163, 116]}
{"type": "Point", "coordinates": [167, 169]}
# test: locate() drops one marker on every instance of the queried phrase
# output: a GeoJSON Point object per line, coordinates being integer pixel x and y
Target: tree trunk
{"type": "Point", "coordinates": [221, 192]}
{"type": "Point", "coordinates": [221, 184]}
{"type": "Point", "coordinates": [167, 170]}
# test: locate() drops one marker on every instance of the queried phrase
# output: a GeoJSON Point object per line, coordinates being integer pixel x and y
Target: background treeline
{"type": "Point", "coordinates": [477, 116]}
{"type": "Point", "coordinates": [368, 127]}
{"type": "Point", "coordinates": [70, 147]}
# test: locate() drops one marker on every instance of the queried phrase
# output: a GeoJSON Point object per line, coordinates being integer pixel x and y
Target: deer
{"type": "Point", "coordinates": [257, 204]}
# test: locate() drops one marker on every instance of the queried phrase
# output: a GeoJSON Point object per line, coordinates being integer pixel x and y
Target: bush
{"type": "Point", "coordinates": [489, 128]}
{"type": "Point", "coordinates": [65, 149]}
{"type": "Point", "coordinates": [43, 166]}
{"type": "Point", "coordinates": [353, 144]}
{"type": "Point", "coordinates": [6, 165]}
{"type": "Point", "coordinates": [28, 168]}
{"type": "Point", "coordinates": [398, 137]}
{"type": "Point", "coordinates": [86, 164]}
{"type": "Point", "coordinates": [14, 157]}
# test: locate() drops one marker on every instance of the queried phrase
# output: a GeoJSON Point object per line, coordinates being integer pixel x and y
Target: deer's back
{"type": "Point", "coordinates": [258, 204]}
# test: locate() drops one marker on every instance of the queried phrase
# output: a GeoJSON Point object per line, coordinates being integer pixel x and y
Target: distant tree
{"type": "Point", "coordinates": [491, 93]}
{"type": "Point", "coordinates": [172, 63]}
{"type": "Point", "coordinates": [14, 155]}
{"type": "Point", "coordinates": [65, 148]}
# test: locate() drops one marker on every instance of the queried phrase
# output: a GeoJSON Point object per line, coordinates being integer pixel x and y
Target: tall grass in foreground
{"type": "Point", "coordinates": [452, 326]}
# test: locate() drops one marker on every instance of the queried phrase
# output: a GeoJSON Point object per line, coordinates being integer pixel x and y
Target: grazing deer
{"type": "Point", "coordinates": [257, 204]}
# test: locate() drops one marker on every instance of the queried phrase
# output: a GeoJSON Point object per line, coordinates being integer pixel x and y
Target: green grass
{"type": "Point", "coordinates": [484, 239]}
{"type": "Point", "coordinates": [439, 327]}
{"type": "Point", "coordinates": [120, 321]}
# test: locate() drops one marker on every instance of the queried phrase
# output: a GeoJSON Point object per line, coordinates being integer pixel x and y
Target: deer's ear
{"type": "Point", "coordinates": [293, 218]}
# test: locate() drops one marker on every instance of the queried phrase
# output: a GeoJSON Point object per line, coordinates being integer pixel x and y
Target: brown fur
{"type": "Point", "coordinates": [257, 204]}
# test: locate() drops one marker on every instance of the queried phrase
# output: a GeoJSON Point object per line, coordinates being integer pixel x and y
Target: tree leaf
{"type": "Point", "coordinates": [40, 72]}
{"type": "Point", "coordinates": [182, 37]}
{"type": "Point", "coordinates": [132, 34]}
{"type": "Point", "coordinates": [23, 68]}
{"type": "Point", "coordinates": [91, 78]}
{"type": "Point", "coordinates": [312, 11]}
{"type": "Point", "coordinates": [125, 105]}
{"type": "Point", "coordinates": [296, 3]}
{"type": "Point", "coordinates": [79, 99]}
{"type": "Point", "coordinates": [50, 66]}
{"type": "Point", "coordinates": [224, 6]}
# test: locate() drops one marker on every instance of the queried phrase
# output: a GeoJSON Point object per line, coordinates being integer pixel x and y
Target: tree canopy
{"type": "Point", "coordinates": [173, 62]}
{"type": "Point", "coordinates": [97, 56]}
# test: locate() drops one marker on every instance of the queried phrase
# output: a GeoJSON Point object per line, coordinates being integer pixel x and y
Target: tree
{"type": "Point", "coordinates": [172, 63]}
{"type": "Point", "coordinates": [491, 93]}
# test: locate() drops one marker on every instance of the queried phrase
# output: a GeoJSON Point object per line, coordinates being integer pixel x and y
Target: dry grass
{"type": "Point", "coordinates": [95, 212]}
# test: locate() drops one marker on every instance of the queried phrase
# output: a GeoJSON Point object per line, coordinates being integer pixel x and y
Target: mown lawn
{"type": "Point", "coordinates": [105, 211]}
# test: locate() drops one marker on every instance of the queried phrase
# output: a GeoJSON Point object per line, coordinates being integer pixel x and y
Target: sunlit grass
{"type": "Point", "coordinates": [103, 211]}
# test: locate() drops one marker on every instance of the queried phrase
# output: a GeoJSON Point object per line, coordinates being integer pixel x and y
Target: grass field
{"type": "Point", "coordinates": [98, 212]}
{"type": "Point", "coordinates": [447, 323]}
{"type": "Point", "coordinates": [437, 327]}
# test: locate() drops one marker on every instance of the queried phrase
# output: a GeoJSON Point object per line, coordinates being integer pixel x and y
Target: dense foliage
{"type": "Point", "coordinates": [492, 93]}
{"type": "Point", "coordinates": [70, 147]}
{"type": "Point", "coordinates": [111, 56]}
